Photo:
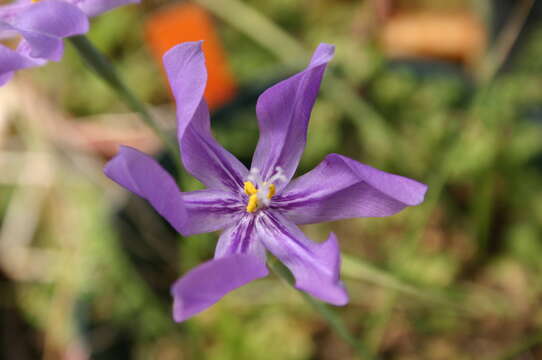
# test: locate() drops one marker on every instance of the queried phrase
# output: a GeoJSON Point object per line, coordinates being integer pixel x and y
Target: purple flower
{"type": "Point", "coordinates": [96, 7]}
{"type": "Point", "coordinates": [258, 209]}
{"type": "Point", "coordinates": [43, 25]}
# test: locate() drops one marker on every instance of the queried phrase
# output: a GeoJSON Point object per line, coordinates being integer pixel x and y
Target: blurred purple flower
{"type": "Point", "coordinates": [42, 26]}
{"type": "Point", "coordinates": [96, 7]}
{"type": "Point", "coordinates": [258, 210]}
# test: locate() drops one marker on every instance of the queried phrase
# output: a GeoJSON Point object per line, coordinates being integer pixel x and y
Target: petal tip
{"type": "Point", "coordinates": [326, 48]}
{"type": "Point", "coordinates": [187, 77]}
{"type": "Point", "coordinates": [182, 48]}
{"type": "Point", "coordinates": [330, 289]}
{"type": "Point", "coordinates": [182, 310]}
{"type": "Point", "coordinates": [85, 27]}
{"type": "Point", "coordinates": [340, 297]}
{"type": "Point", "coordinates": [179, 313]}
{"type": "Point", "coordinates": [108, 168]}
{"type": "Point", "coordinates": [5, 78]}
{"type": "Point", "coordinates": [323, 54]}
{"type": "Point", "coordinates": [417, 192]}
{"type": "Point", "coordinates": [421, 193]}
{"type": "Point", "coordinates": [207, 283]}
{"type": "Point", "coordinates": [334, 294]}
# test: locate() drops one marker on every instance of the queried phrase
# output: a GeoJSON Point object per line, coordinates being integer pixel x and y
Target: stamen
{"type": "Point", "coordinates": [278, 175]}
{"type": "Point", "coordinates": [254, 176]}
{"type": "Point", "coordinates": [272, 191]}
{"type": "Point", "coordinates": [260, 192]}
{"type": "Point", "coordinates": [250, 189]}
{"type": "Point", "coordinates": [252, 203]}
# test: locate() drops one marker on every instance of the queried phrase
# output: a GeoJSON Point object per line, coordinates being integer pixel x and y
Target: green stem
{"type": "Point", "coordinates": [333, 320]}
{"type": "Point", "coordinates": [105, 70]}
{"type": "Point", "coordinates": [497, 56]}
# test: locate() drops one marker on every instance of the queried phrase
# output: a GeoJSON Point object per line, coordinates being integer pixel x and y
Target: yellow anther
{"type": "Point", "coordinates": [250, 189]}
{"type": "Point", "coordinates": [271, 192]}
{"type": "Point", "coordinates": [35, 1]}
{"type": "Point", "coordinates": [252, 203]}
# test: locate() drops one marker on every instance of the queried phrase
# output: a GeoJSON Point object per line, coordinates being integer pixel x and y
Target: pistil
{"type": "Point", "coordinates": [260, 192]}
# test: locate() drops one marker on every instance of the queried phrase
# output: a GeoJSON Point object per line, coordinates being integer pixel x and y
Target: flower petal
{"type": "Point", "coordinates": [43, 25]}
{"type": "Point", "coordinates": [210, 210]}
{"type": "Point", "coordinates": [240, 238]}
{"type": "Point", "coordinates": [341, 188]}
{"type": "Point", "coordinates": [96, 7]}
{"type": "Point", "coordinates": [10, 61]}
{"type": "Point", "coordinates": [9, 11]}
{"type": "Point", "coordinates": [315, 266]}
{"type": "Point", "coordinates": [283, 116]}
{"type": "Point", "coordinates": [41, 46]}
{"type": "Point", "coordinates": [5, 77]}
{"type": "Point", "coordinates": [202, 156]}
{"type": "Point", "coordinates": [209, 282]}
{"type": "Point", "coordinates": [53, 18]}
{"type": "Point", "coordinates": [37, 46]}
{"type": "Point", "coordinates": [143, 176]}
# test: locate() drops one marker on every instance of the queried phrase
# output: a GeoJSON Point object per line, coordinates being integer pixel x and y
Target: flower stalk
{"type": "Point", "coordinates": [106, 71]}
{"type": "Point", "coordinates": [332, 319]}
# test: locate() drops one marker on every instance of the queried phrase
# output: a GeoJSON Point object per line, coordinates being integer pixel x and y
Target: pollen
{"type": "Point", "coordinates": [271, 192]}
{"type": "Point", "coordinates": [260, 192]}
{"type": "Point", "coordinates": [252, 205]}
{"type": "Point", "coordinates": [260, 196]}
{"type": "Point", "coordinates": [250, 189]}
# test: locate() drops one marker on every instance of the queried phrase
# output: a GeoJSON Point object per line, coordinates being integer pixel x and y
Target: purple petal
{"type": "Point", "coordinates": [4, 78]}
{"type": "Point", "coordinates": [11, 60]}
{"type": "Point", "coordinates": [240, 239]}
{"type": "Point", "coordinates": [210, 210]}
{"type": "Point", "coordinates": [43, 25]}
{"type": "Point", "coordinates": [53, 18]}
{"type": "Point", "coordinates": [283, 116]}
{"type": "Point", "coordinates": [315, 266]}
{"type": "Point", "coordinates": [341, 188]}
{"type": "Point", "coordinates": [209, 282]}
{"type": "Point", "coordinates": [96, 7]}
{"type": "Point", "coordinates": [143, 176]}
{"type": "Point", "coordinates": [202, 156]}
{"type": "Point", "coordinates": [9, 11]}
{"type": "Point", "coordinates": [41, 46]}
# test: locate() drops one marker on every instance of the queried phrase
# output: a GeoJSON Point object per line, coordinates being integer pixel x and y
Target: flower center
{"type": "Point", "coordinates": [260, 192]}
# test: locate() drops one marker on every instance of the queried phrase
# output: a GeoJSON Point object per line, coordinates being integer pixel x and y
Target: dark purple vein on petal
{"type": "Point", "coordinates": [276, 225]}
{"type": "Point", "coordinates": [225, 168]}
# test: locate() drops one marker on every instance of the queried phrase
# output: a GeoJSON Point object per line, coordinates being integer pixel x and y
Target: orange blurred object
{"type": "Point", "coordinates": [189, 22]}
{"type": "Point", "coordinates": [456, 36]}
